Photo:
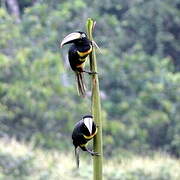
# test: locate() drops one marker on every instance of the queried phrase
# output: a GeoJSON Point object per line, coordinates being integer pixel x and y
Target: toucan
{"type": "Point", "coordinates": [84, 131]}
{"type": "Point", "coordinates": [81, 47]}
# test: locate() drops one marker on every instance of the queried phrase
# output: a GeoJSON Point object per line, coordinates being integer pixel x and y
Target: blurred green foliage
{"type": "Point", "coordinates": [38, 164]}
{"type": "Point", "coordinates": [138, 69]}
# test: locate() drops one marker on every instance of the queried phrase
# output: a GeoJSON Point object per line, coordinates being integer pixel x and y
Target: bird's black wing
{"type": "Point", "coordinates": [74, 58]}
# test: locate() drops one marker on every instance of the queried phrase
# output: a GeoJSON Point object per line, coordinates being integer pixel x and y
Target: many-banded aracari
{"type": "Point", "coordinates": [83, 132]}
{"type": "Point", "coordinates": [77, 54]}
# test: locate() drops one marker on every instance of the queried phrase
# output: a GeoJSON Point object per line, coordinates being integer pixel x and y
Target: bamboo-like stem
{"type": "Point", "coordinates": [95, 108]}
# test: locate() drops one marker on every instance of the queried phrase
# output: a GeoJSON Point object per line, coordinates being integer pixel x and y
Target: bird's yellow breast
{"type": "Point", "coordinates": [83, 145]}
{"type": "Point", "coordinates": [82, 54]}
{"type": "Point", "coordinates": [91, 136]}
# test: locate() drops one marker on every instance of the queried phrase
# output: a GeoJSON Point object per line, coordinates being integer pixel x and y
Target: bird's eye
{"type": "Point", "coordinates": [83, 35]}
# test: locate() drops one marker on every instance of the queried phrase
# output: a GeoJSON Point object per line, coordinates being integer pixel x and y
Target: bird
{"type": "Point", "coordinates": [84, 131]}
{"type": "Point", "coordinates": [81, 47]}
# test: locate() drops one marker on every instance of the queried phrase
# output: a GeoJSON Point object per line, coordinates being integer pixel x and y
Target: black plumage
{"type": "Point", "coordinates": [83, 132]}
{"type": "Point", "coordinates": [77, 54]}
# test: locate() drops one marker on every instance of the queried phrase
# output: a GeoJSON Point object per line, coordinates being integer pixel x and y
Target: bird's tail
{"type": "Point", "coordinates": [80, 84]}
{"type": "Point", "coordinates": [76, 150]}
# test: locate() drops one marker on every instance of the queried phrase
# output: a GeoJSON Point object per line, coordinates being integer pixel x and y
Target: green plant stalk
{"type": "Point", "coordinates": [95, 108]}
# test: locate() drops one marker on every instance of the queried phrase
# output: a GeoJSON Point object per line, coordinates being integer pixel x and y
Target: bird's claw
{"type": "Point", "coordinates": [92, 73]}
{"type": "Point", "coordinates": [95, 154]}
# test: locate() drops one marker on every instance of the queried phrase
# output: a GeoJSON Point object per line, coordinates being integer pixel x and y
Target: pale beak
{"type": "Point", "coordinates": [88, 123]}
{"type": "Point", "coordinates": [70, 38]}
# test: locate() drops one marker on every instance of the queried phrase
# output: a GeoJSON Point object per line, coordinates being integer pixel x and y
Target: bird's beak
{"type": "Point", "coordinates": [88, 123]}
{"type": "Point", "coordinates": [70, 38]}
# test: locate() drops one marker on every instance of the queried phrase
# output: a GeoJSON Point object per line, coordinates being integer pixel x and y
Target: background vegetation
{"type": "Point", "coordinates": [22, 162]}
{"type": "Point", "coordinates": [139, 71]}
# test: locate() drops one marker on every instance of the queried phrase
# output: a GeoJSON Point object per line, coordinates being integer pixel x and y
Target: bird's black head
{"type": "Point", "coordinates": [88, 116]}
{"type": "Point", "coordinates": [77, 37]}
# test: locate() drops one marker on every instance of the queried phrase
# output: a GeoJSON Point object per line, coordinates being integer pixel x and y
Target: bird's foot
{"type": "Point", "coordinates": [90, 72]}
{"type": "Point", "coordinates": [95, 154]}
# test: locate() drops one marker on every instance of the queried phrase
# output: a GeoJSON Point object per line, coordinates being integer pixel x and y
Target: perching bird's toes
{"type": "Point", "coordinates": [90, 72]}
{"type": "Point", "coordinates": [95, 154]}
{"type": "Point", "coordinates": [93, 73]}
